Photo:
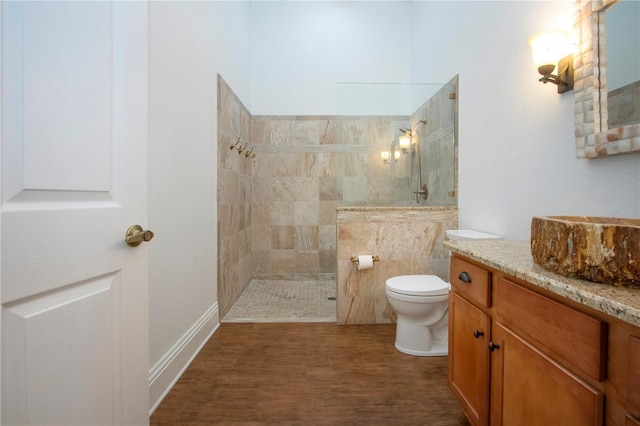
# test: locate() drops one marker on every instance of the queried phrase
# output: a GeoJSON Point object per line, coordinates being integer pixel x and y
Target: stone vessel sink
{"type": "Point", "coordinates": [601, 249]}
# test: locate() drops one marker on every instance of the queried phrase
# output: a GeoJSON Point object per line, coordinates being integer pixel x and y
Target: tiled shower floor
{"type": "Point", "coordinates": [285, 301]}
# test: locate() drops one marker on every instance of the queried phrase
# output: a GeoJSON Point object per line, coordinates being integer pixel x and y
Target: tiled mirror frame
{"type": "Point", "coordinates": [593, 138]}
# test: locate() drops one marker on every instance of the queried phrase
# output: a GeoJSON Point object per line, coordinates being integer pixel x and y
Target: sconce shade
{"type": "Point", "coordinates": [384, 155]}
{"type": "Point", "coordinates": [548, 48]}
{"type": "Point", "coordinates": [552, 50]}
{"type": "Point", "coordinates": [396, 155]}
{"type": "Point", "coordinates": [404, 142]}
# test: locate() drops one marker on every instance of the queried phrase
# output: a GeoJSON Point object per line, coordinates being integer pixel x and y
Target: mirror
{"type": "Point", "coordinates": [594, 137]}
{"type": "Point", "coordinates": [623, 63]}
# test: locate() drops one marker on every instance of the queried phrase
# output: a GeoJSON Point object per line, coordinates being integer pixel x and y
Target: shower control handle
{"type": "Point", "coordinates": [464, 276]}
{"type": "Point", "coordinates": [422, 192]}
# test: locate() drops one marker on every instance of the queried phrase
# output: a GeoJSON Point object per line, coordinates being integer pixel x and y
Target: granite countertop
{"type": "Point", "coordinates": [392, 208]}
{"type": "Point", "coordinates": [514, 258]}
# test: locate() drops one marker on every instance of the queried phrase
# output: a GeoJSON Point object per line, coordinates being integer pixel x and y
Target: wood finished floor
{"type": "Point", "coordinates": [309, 374]}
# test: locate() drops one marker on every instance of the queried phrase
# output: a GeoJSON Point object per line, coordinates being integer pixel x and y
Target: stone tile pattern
{"type": "Point", "coordinates": [306, 167]}
{"type": "Point", "coordinates": [514, 258]}
{"type": "Point", "coordinates": [438, 146]}
{"type": "Point", "coordinates": [234, 174]}
{"type": "Point", "coordinates": [593, 137]}
{"type": "Point", "coordinates": [407, 240]}
{"type": "Point", "coordinates": [285, 301]}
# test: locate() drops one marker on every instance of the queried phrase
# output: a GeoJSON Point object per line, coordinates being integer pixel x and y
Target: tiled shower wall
{"type": "Point", "coordinates": [235, 171]}
{"type": "Point", "coordinates": [305, 168]}
{"type": "Point", "coordinates": [438, 145]}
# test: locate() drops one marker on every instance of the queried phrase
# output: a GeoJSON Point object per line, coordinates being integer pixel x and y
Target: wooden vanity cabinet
{"type": "Point", "coordinates": [528, 387]}
{"type": "Point", "coordinates": [536, 337]}
{"type": "Point", "coordinates": [469, 357]}
{"type": "Point", "coordinates": [469, 332]}
{"type": "Point", "coordinates": [520, 355]}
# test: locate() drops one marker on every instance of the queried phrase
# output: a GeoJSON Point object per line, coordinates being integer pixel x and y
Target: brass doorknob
{"type": "Point", "coordinates": [136, 235]}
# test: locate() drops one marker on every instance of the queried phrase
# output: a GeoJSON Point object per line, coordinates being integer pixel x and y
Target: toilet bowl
{"type": "Point", "coordinates": [421, 303]}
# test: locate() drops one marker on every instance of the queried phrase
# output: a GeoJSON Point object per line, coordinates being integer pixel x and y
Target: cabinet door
{"type": "Point", "coordinates": [469, 357]}
{"type": "Point", "coordinates": [633, 391]}
{"type": "Point", "coordinates": [527, 387]}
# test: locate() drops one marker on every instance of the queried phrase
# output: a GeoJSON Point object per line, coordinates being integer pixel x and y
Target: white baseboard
{"type": "Point", "coordinates": [166, 372]}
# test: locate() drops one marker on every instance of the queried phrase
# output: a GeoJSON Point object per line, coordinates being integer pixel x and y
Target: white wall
{"type": "Point", "coordinates": [302, 49]}
{"type": "Point", "coordinates": [517, 155]}
{"type": "Point", "coordinates": [189, 42]}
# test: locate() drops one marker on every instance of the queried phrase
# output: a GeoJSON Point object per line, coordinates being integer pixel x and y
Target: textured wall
{"type": "Point", "coordinates": [306, 166]}
{"type": "Point", "coordinates": [408, 241]}
{"type": "Point", "coordinates": [235, 171]}
{"type": "Point", "coordinates": [438, 146]}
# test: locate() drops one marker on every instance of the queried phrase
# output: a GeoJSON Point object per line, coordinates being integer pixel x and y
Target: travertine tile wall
{"type": "Point", "coordinates": [234, 199]}
{"type": "Point", "coordinates": [438, 146]}
{"type": "Point", "coordinates": [408, 241]}
{"type": "Point", "coordinates": [307, 166]}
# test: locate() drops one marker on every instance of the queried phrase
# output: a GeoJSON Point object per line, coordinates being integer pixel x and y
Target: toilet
{"type": "Point", "coordinates": [421, 304]}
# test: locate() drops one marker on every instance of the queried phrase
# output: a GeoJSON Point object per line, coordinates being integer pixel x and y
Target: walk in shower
{"type": "Point", "coordinates": [277, 211]}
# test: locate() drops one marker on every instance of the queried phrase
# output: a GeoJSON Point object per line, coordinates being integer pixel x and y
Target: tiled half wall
{"type": "Point", "coordinates": [408, 242]}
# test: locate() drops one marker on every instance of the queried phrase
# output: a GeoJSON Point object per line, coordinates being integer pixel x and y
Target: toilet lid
{"type": "Point", "coordinates": [418, 285]}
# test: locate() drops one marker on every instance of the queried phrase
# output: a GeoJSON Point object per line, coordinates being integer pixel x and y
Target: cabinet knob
{"type": "Point", "coordinates": [493, 346]}
{"type": "Point", "coordinates": [464, 276]}
{"type": "Point", "coordinates": [477, 334]}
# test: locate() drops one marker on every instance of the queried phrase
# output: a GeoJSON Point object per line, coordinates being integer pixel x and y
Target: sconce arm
{"type": "Point", "coordinates": [564, 79]}
{"type": "Point", "coordinates": [552, 78]}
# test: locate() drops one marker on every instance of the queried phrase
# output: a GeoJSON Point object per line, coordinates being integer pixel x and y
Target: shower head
{"type": "Point", "coordinates": [409, 131]}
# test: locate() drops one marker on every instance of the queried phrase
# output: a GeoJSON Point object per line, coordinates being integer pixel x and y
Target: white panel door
{"type": "Point", "coordinates": [74, 134]}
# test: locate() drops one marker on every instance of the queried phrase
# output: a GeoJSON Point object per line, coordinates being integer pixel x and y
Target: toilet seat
{"type": "Point", "coordinates": [418, 285]}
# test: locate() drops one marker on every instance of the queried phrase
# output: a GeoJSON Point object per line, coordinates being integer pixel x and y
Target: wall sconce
{"type": "Point", "coordinates": [552, 50]}
{"type": "Point", "coordinates": [385, 156]}
{"type": "Point", "coordinates": [396, 155]}
{"type": "Point", "coordinates": [404, 141]}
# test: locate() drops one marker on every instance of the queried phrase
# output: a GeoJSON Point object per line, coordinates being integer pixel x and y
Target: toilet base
{"type": "Point", "coordinates": [414, 338]}
{"type": "Point", "coordinates": [433, 352]}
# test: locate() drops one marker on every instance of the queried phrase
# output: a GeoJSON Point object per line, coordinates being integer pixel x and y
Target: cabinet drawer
{"type": "Point", "coordinates": [471, 281]}
{"type": "Point", "coordinates": [568, 335]}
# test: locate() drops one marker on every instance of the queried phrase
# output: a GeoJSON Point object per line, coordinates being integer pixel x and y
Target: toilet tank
{"type": "Point", "coordinates": [465, 234]}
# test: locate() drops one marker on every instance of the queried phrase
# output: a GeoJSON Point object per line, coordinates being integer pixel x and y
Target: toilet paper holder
{"type": "Point", "coordinates": [375, 258]}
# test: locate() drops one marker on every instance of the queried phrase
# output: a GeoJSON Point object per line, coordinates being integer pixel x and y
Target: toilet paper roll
{"type": "Point", "coordinates": [365, 261]}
